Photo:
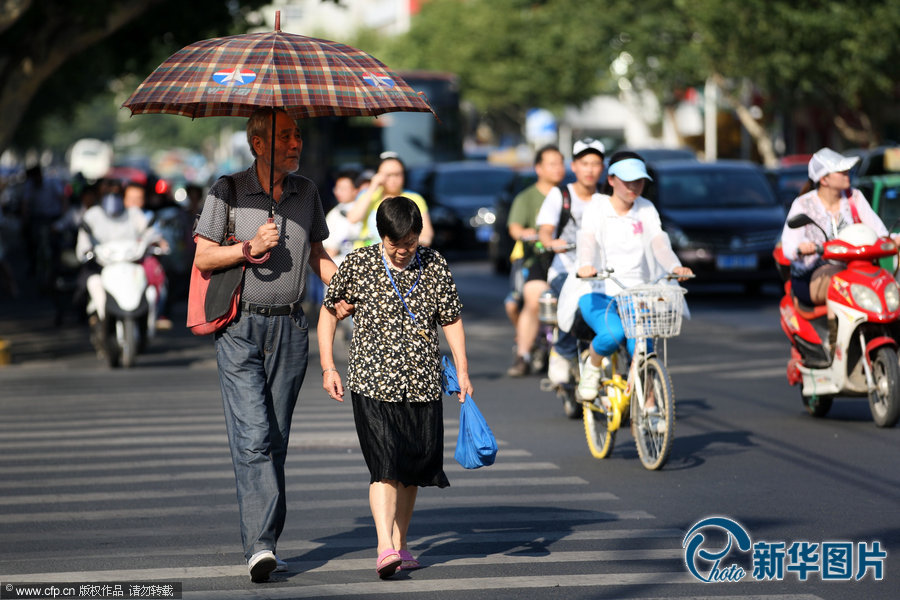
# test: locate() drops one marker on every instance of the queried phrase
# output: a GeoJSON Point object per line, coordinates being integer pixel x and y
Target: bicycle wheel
{"type": "Point", "coordinates": [600, 438]}
{"type": "Point", "coordinates": [653, 430]}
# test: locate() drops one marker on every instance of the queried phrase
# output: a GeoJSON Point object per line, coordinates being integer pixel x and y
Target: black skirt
{"type": "Point", "coordinates": [401, 441]}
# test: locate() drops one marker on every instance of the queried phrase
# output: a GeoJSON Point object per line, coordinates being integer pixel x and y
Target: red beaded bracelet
{"type": "Point", "coordinates": [250, 258]}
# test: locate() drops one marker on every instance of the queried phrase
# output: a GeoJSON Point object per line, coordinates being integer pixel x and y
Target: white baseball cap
{"type": "Point", "coordinates": [586, 145]}
{"type": "Point", "coordinates": [827, 161]}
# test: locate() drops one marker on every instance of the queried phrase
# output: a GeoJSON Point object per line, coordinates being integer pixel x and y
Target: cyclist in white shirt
{"type": "Point", "coordinates": [621, 231]}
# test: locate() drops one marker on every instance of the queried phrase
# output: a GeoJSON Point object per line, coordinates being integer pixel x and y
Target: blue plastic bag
{"type": "Point", "coordinates": [475, 446]}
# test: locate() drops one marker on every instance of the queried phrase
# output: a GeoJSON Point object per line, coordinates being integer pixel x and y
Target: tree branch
{"type": "Point", "coordinates": [10, 11]}
{"type": "Point", "coordinates": [763, 141]}
{"type": "Point", "coordinates": [863, 136]}
{"type": "Point", "coordinates": [60, 38]}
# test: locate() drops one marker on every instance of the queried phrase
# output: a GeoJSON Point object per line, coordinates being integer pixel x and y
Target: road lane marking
{"type": "Point", "coordinates": [111, 496]}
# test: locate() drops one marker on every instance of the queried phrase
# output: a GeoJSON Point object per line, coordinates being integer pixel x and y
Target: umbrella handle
{"type": "Point", "coordinates": [252, 259]}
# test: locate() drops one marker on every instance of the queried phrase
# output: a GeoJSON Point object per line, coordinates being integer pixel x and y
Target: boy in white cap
{"type": "Point", "coordinates": [558, 222]}
{"type": "Point", "coordinates": [833, 204]}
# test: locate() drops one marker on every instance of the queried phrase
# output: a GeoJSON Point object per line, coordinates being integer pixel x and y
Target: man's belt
{"type": "Point", "coordinates": [268, 310]}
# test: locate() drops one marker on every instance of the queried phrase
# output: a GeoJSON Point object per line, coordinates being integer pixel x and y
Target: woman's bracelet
{"type": "Point", "coordinates": [330, 369]}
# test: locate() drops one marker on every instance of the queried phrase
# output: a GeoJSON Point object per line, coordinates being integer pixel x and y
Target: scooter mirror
{"type": "Point", "coordinates": [799, 221]}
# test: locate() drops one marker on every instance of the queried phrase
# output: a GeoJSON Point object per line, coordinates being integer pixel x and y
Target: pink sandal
{"type": "Point", "coordinates": [387, 563]}
{"type": "Point", "coordinates": [409, 562]}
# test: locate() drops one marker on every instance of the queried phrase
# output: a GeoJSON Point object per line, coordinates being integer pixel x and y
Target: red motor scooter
{"type": "Point", "coordinates": [865, 299]}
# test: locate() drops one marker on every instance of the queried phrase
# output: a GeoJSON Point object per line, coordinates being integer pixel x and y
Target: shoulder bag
{"type": "Point", "coordinates": [214, 296]}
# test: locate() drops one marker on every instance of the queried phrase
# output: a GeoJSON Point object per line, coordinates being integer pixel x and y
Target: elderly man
{"type": "Point", "coordinates": [262, 355]}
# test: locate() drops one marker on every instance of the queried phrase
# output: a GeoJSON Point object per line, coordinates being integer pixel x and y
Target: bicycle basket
{"type": "Point", "coordinates": [651, 310]}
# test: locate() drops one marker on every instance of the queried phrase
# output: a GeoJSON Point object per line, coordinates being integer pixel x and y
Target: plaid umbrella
{"type": "Point", "coordinates": [307, 77]}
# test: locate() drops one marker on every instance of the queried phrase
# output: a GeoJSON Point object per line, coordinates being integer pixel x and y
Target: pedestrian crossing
{"type": "Point", "coordinates": [124, 487]}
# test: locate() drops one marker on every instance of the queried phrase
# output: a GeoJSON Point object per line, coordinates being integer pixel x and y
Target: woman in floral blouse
{"type": "Point", "coordinates": [402, 293]}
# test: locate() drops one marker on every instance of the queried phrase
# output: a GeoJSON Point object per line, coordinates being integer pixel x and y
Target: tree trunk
{"type": "Point", "coordinates": [762, 138]}
{"type": "Point", "coordinates": [58, 39]}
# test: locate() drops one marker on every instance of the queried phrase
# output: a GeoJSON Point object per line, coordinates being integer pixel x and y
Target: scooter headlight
{"type": "Point", "coordinates": [865, 298]}
{"type": "Point", "coordinates": [892, 296]}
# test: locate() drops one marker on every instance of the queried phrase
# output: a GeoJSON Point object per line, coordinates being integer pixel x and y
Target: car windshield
{"type": "Point", "coordinates": [472, 183]}
{"type": "Point", "coordinates": [715, 189]}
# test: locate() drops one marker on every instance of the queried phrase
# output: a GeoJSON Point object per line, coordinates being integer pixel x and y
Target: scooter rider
{"type": "Point", "coordinates": [621, 231]}
{"type": "Point", "coordinates": [106, 222]}
{"type": "Point", "coordinates": [831, 202]}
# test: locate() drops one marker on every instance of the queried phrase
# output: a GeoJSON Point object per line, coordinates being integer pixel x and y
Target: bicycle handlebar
{"type": "Point", "coordinates": [607, 273]}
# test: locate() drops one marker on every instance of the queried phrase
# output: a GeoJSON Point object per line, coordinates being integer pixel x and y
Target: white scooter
{"type": "Point", "coordinates": [121, 299]}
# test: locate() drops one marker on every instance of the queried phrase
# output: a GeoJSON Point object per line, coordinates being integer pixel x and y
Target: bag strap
{"type": "Point", "coordinates": [566, 212]}
{"type": "Point", "coordinates": [231, 200]}
{"type": "Point", "coordinates": [855, 213]}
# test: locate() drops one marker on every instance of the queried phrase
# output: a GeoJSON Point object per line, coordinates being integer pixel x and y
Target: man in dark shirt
{"type": "Point", "coordinates": [262, 355]}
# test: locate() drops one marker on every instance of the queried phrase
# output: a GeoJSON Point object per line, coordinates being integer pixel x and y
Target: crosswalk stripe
{"type": "Point", "coordinates": [286, 547]}
{"type": "Point", "coordinates": [224, 472]}
{"type": "Point", "coordinates": [444, 501]}
{"type": "Point", "coordinates": [110, 496]}
{"type": "Point", "coordinates": [120, 459]}
{"type": "Point", "coordinates": [752, 373]}
{"type": "Point", "coordinates": [418, 586]}
{"type": "Point", "coordinates": [406, 586]}
{"type": "Point", "coordinates": [451, 520]}
{"type": "Point", "coordinates": [354, 564]}
{"type": "Point", "coordinates": [735, 365]}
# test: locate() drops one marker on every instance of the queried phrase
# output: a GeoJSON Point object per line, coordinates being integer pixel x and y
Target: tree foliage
{"type": "Point", "coordinates": [835, 57]}
{"type": "Point", "coordinates": [58, 52]}
{"type": "Point", "coordinates": [511, 55]}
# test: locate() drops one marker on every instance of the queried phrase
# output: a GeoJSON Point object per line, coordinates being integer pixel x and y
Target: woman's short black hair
{"type": "Point", "coordinates": [620, 155]}
{"type": "Point", "coordinates": [397, 217]}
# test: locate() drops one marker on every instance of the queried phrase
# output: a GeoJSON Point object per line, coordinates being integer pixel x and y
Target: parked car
{"type": "Point", "coordinates": [787, 181]}
{"type": "Point", "coordinates": [461, 197]}
{"type": "Point", "coordinates": [654, 155]}
{"type": "Point", "coordinates": [723, 218]}
{"type": "Point", "coordinates": [882, 160]}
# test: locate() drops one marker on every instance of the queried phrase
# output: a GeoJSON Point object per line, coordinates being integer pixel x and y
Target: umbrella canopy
{"type": "Point", "coordinates": [307, 77]}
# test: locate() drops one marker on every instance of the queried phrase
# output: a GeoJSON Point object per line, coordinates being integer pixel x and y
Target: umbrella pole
{"type": "Point", "coordinates": [272, 172]}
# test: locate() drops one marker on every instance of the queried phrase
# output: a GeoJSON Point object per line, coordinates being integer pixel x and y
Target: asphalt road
{"type": "Point", "coordinates": [124, 476]}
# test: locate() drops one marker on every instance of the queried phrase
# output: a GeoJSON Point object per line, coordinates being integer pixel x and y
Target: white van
{"type": "Point", "coordinates": [90, 157]}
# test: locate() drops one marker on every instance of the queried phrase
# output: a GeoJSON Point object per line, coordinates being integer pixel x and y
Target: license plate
{"type": "Point", "coordinates": [483, 233]}
{"type": "Point", "coordinates": [737, 262]}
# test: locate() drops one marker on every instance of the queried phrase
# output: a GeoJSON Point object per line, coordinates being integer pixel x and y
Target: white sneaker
{"type": "Point", "coordinates": [261, 565]}
{"type": "Point", "coordinates": [589, 384]}
{"type": "Point", "coordinates": [280, 565]}
{"type": "Point", "coordinates": [558, 368]}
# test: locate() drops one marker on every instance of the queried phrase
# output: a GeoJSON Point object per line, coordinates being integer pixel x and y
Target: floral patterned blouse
{"type": "Point", "coordinates": [393, 357]}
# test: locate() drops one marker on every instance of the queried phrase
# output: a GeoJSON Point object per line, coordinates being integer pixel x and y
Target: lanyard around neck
{"type": "Point", "coordinates": [394, 284]}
